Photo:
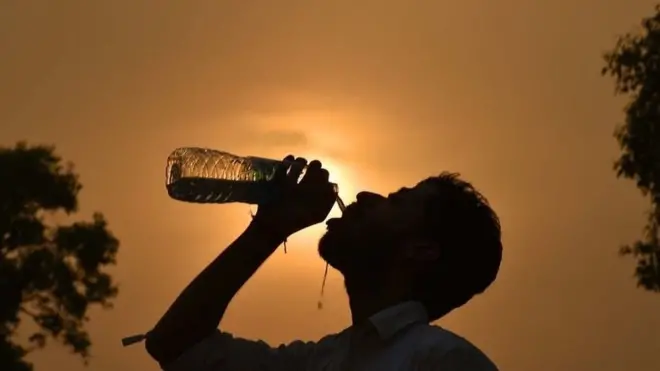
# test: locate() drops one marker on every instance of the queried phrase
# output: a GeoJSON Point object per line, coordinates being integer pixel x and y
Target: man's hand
{"type": "Point", "coordinates": [296, 204]}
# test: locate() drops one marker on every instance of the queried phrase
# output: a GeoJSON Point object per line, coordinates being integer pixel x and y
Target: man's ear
{"type": "Point", "coordinates": [423, 251]}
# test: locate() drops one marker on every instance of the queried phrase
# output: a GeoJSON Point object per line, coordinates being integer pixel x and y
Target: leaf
{"type": "Point", "coordinates": [38, 338]}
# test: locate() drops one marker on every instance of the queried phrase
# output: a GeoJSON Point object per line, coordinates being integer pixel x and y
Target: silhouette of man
{"type": "Point", "coordinates": [407, 259]}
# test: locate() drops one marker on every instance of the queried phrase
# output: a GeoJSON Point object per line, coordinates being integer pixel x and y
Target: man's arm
{"type": "Point", "coordinates": [197, 311]}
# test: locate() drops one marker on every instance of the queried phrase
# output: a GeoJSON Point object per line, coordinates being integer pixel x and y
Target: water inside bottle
{"type": "Point", "coordinates": [208, 190]}
{"type": "Point", "coordinates": [203, 175]}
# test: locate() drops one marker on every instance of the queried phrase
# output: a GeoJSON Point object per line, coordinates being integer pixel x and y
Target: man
{"type": "Point", "coordinates": [407, 259]}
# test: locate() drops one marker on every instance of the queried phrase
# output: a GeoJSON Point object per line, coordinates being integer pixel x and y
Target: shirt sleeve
{"type": "Point", "coordinates": [223, 352]}
{"type": "Point", "coordinates": [463, 358]}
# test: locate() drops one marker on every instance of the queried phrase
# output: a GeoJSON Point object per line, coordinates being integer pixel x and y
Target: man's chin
{"type": "Point", "coordinates": [332, 250]}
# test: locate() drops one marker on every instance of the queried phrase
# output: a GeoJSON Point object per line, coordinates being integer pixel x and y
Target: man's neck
{"type": "Point", "coordinates": [365, 302]}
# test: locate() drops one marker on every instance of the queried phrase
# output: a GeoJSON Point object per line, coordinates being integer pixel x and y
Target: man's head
{"type": "Point", "coordinates": [440, 239]}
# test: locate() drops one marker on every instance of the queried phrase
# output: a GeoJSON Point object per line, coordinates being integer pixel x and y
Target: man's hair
{"type": "Point", "coordinates": [467, 230]}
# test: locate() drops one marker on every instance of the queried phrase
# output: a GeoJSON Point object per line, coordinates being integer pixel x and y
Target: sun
{"type": "Point", "coordinates": [341, 175]}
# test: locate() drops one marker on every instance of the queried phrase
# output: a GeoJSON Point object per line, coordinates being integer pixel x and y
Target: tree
{"type": "Point", "coordinates": [49, 274]}
{"type": "Point", "coordinates": [634, 63]}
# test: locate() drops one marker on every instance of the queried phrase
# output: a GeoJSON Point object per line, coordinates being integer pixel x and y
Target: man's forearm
{"type": "Point", "coordinates": [197, 312]}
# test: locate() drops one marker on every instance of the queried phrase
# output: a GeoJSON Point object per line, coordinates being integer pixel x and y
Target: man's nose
{"type": "Point", "coordinates": [368, 197]}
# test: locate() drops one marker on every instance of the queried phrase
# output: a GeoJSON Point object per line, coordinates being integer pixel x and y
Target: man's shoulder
{"type": "Point", "coordinates": [435, 335]}
{"type": "Point", "coordinates": [330, 340]}
{"type": "Point", "coordinates": [442, 341]}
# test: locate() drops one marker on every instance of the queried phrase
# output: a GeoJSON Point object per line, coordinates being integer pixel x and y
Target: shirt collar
{"type": "Point", "coordinates": [393, 319]}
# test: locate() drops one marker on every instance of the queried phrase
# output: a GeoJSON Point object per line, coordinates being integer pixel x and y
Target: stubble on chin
{"type": "Point", "coordinates": [333, 250]}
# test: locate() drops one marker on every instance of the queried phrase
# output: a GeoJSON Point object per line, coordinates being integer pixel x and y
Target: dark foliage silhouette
{"type": "Point", "coordinates": [634, 64]}
{"type": "Point", "coordinates": [49, 274]}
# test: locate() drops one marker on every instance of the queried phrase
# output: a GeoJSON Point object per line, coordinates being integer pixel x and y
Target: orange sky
{"type": "Point", "coordinates": [507, 92]}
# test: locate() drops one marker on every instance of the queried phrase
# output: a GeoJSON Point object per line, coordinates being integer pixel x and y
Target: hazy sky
{"type": "Point", "coordinates": [507, 92]}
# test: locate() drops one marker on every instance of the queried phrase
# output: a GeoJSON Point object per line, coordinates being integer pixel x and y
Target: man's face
{"type": "Point", "coordinates": [373, 230]}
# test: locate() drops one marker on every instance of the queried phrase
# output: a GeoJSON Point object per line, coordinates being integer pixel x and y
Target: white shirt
{"type": "Point", "coordinates": [397, 338]}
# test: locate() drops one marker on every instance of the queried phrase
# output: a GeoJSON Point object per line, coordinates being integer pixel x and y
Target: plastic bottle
{"type": "Point", "coordinates": [204, 175]}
